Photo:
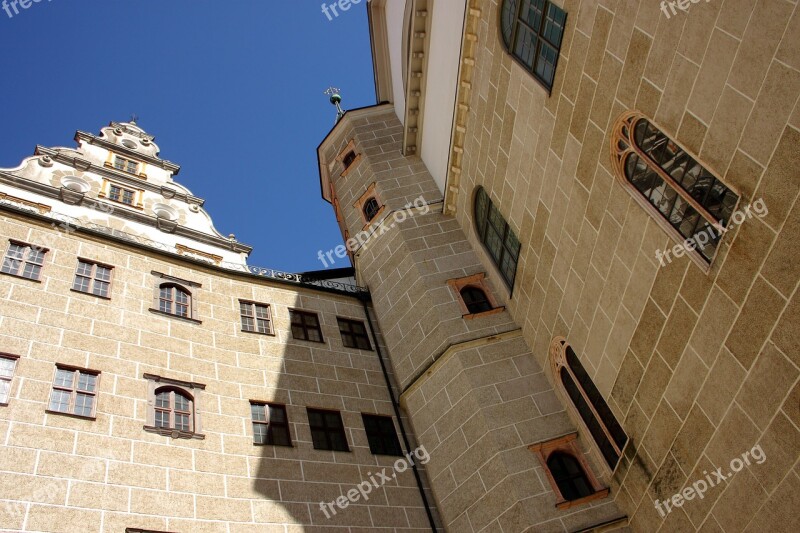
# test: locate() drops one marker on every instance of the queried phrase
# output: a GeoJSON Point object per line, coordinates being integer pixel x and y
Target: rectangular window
{"type": "Point", "coordinates": [270, 424]}
{"type": "Point", "coordinates": [305, 326]}
{"type": "Point", "coordinates": [121, 195]}
{"type": "Point", "coordinates": [354, 334]}
{"type": "Point", "coordinates": [74, 391]}
{"type": "Point", "coordinates": [381, 435]}
{"type": "Point", "coordinates": [23, 260]}
{"type": "Point", "coordinates": [327, 430]}
{"type": "Point", "coordinates": [256, 318]}
{"type": "Point", "coordinates": [92, 278]}
{"type": "Point", "coordinates": [8, 364]}
{"type": "Point", "coordinates": [126, 165]}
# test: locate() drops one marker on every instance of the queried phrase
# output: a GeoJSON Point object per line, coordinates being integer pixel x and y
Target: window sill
{"type": "Point", "coordinates": [259, 333]}
{"type": "Point", "coordinates": [308, 340]}
{"type": "Point", "coordinates": [170, 315]}
{"type": "Point", "coordinates": [71, 415]}
{"type": "Point", "coordinates": [91, 294]}
{"type": "Point", "coordinates": [330, 450]}
{"type": "Point", "coordinates": [21, 277]}
{"type": "Point", "coordinates": [352, 166]}
{"type": "Point", "coordinates": [494, 311]}
{"type": "Point", "coordinates": [260, 444]}
{"type": "Point", "coordinates": [599, 495]}
{"type": "Point", "coordinates": [174, 433]}
{"type": "Point", "coordinates": [3, 404]}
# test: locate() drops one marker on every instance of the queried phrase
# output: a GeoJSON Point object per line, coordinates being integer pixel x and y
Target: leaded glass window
{"type": "Point", "coordinates": [497, 236]}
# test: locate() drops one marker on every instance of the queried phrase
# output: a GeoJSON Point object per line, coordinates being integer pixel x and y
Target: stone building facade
{"type": "Point", "coordinates": [669, 358]}
{"type": "Point", "coordinates": [85, 444]}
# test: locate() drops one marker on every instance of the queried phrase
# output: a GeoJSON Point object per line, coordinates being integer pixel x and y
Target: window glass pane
{"type": "Point", "coordinates": [260, 433]}
{"type": "Point", "coordinates": [546, 63]}
{"type": "Point", "coordinates": [264, 326]}
{"type": "Point", "coordinates": [101, 288]}
{"type": "Point", "coordinates": [84, 269]}
{"type": "Point", "coordinates": [247, 323]}
{"type": "Point", "coordinates": [87, 382]}
{"type": "Point", "coordinates": [531, 13]}
{"type": "Point", "coordinates": [64, 378]}
{"type": "Point", "coordinates": [280, 436]}
{"type": "Point", "coordinates": [493, 243]}
{"type": "Point", "coordinates": [507, 19]}
{"type": "Point", "coordinates": [83, 404]}
{"type": "Point", "coordinates": [313, 335]}
{"type": "Point", "coordinates": [59, 401]}
{"type": "Point", "coordinates": [31, 271]}
{"type": "Point", "coordinates": [7, 367]}
{"type": "Point", "coordinates": [262, 311]}
{"type": "Point", "coordinates": [277, 414]}
{"type": "Point", "coordinates": [258, 412]}
{"type": "Point", "coordinates": [5, 387]}
{"type": "Point", "coordinates": [554, 24]}
{"type": "Point", "coordinates": [182, 422]}
{"type": "Point", "coordinates": [162, 399]}
{"type": "Point", "coordinates": [182, 403]}
{"type": "Point", "coordinates": [162, 419]}
{"type": "Point", "coordinates": [81, 284]}
{"type": "Point", "coordinates": [525, 47]}
{"type": "Point", "coordinates": [481, 206]}
{"type": "Point", "coordinates": [588, 418]}
{"type": "Point", "coordinates": [298, 332]}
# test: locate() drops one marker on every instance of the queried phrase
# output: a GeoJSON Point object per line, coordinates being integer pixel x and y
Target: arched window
{"type": "Point", "coordinates": [497, 236]}
{"type": "Point", "coordinates": [532, 33]}
{"type": "Point", "coordinates": [349, 159]}
{"type": "Point", "coordinates": [475, 299]}
{"type": "Point", "coordinates": [569, 476]}
{"type": "Point", "coordinates": [175, 300]}
{"type": "Point", "coordinates": [689, 202]}
{"type": "Point", "coordinates": [174, 410]}
{"type": "Point", "coordinates": [593, 410]}
{"type": "Point", "coordinates": [371, 208]}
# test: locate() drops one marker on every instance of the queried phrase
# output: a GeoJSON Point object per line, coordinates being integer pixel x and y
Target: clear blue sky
{"type": "Point", "coordinates": [232, 91]}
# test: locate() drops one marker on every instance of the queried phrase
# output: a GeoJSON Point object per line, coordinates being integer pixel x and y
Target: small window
{"type": "Point", "coordinates": [256, 318]}
{"type": "Point", "coordinates": [371, 208]}
{"type": "Point", "coordinates": [174, 410]}
{"type": "Point", "coordinates": [24, 260]}
{"type": "Point", "coordinates": [270, 424]}
{"type": "Point", "coordinates": [681, 194]}
{"type": "Point", "coordinates": [349, 159]}
{"type": "Point", "coordinates": [354, 334]}
{"type": "Point", "coordinates": [175, 300]}
{"type": "Point", "coordinates": [74, 391]}
{"type": "Point", "coordinates": [497, 237]}
{"type": "Point", "coordinates": [532, 31]}
{"type": "Point", "coordinates": [569, 476]}
{"type": "Point", "coordinates": [327, 430]}
{"type": "Point", "coordinates": [126, 165]}
{"type": "Point", "coordinates": [8, 364]}
{"type": "Point", "coordinates": [121, 195]}
{"type": "Point", "coordinates": [381, 435]}
{"type": "Point", "coordinates": [92, 278]}
{"type": "Point", "coordinates": [173, 407]}
{"type": "Point", "coordinates": [305, 326]}
{"type": "Point", "coordinates": [590, 405]}
{"type": "Point", "coordinates": [475, 300]}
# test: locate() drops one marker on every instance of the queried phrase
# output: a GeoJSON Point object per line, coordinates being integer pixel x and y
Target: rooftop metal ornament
{"type": "Point", "coordinates": [336, 99]}
{"type": "Point", "coordinates": [134, 118]}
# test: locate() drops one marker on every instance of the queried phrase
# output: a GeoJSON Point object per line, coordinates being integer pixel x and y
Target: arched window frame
{"type": "Point", "coordinates": [370, 194]}
{"type": "Point", "coordinates": [190, 390]}
{"type": "Point", "coordinates": [352, 162]}
{"type": "Point", "coordinates": [567, 445]}
{"type": "Point", "coordinates": [623, 145]}
{"type": "Point", "coordinates": [189, 287]}
{"type": "Point", "coordinates": [510, 247]}
{"type": "Point", "coordinates": [484, 299]}
{"type": "Point", "coordinates": [607, 425]}
{"type": "Point", "coordinates": [477, 281]}
{"type": "Point", "coordinates": [510, 20]}
{"type": "Point", "coordinates": [174, 305]}
{"type": "Point", "coordinates": [171, 410]}
{"type": "Point", "coordinates": [371, 208]}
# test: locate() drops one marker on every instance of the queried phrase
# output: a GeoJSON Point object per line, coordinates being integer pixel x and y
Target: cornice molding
{"type": "Point", "coordinates": [49, 191]}
{"type": "Point", "coordinates": [417, 75]}
{"type": "Point", "coordinates": [122, 150]}
{"type": "Point", "coordinates": [85, 165]}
